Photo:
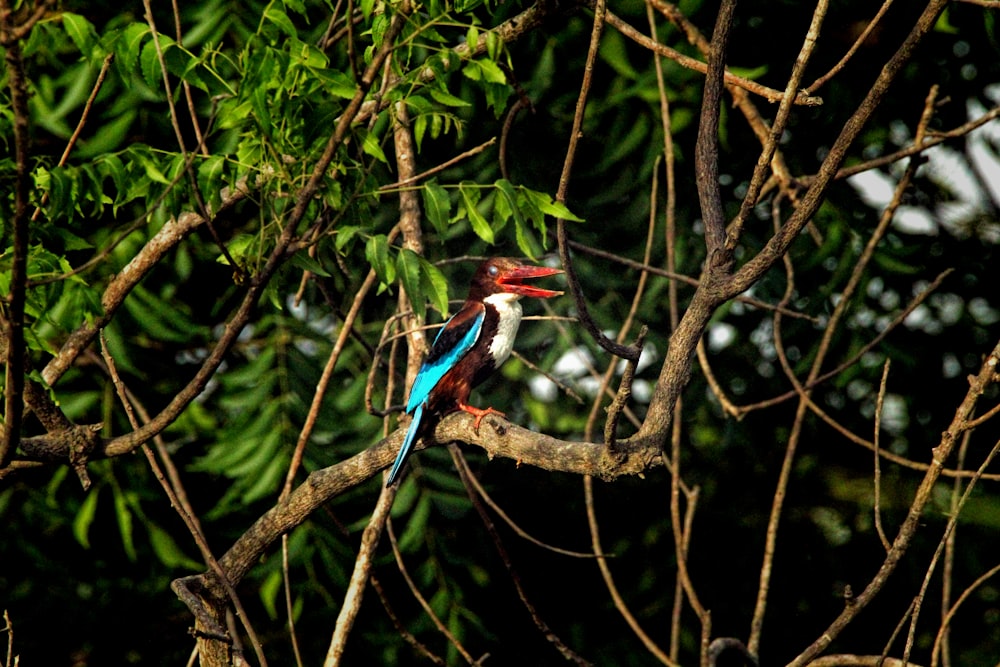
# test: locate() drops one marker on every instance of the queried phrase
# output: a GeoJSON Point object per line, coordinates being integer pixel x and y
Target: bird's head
{"type": "Point", "coordinates": [503, 275]}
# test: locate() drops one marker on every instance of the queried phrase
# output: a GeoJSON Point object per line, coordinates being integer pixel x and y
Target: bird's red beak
{"type": "Point", "coordinates": [511, 281]}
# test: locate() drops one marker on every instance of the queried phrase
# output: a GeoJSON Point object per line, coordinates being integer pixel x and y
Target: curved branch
{"type": "Point", "coordinates": [504, 439]}
{"type": "Point", "coordinates": [756, 267]}
{"type": "Point", "coordinates": [706, 150]}
{"type": "Point", "coordinates": [802, 98]}
{"type": "Point", "coordinates": [977, 385]}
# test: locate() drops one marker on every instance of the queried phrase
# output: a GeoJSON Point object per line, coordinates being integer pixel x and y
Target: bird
{"type": "Point", "coordinates": [470, 346]}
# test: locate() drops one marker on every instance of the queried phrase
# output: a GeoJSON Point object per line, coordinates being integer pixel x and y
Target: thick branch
{"type": "Point", "coordinates": [684, 341]}
{"type": "Point", "coordinates": [706, 151]}
{"type": "Point", "coordinates": [498, 438]}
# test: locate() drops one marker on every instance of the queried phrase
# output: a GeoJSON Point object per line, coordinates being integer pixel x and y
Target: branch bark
{"type": "Point", "coordinates": [10, 36]}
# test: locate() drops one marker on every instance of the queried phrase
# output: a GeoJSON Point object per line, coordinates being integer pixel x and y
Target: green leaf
{"type": "Point", "coordinates": [344, 235]}
{"type": "Point", "coordinates": [377, 254]}
{"type": "Point", "coordinates": [109, 136]}
{"type": "Point", "coordinates": [437, 205]}
{"type": "Point", "coordinates": [507, 202]}
{"type": "Point", "coordinates": [370, 145]}
{"type": "Point", "coordinates": [447, 99]}
{"type": "Point", "coordinates": [166, 549]}
{"type": "Point", "coordinates": [84, 518]}
{"type": "Point", "coordinates": [268, 480]}
{"type": "Point", "coordinates": [210, 178]}
{"type": "Point", "coordinates": [71, 241]}
{"type": "Point", "coordinates": [337, 83]}
{"type": "Point", "coordinates": [81, 31]}
{"type": "Point", "coordinates": [547, 205]}
{"type": "Point", "coordinates": [408, 268]}
{"type": "Point", "coordinates": [435, 285]}
{"type": "Point", "coordinates": [470, 195]}
{"type": "Point", "coordinates": [303, 261]}
{"type": "Point", "coordinates": [261, 100]}
{"type": "Point", "coordinates": [525, 241]}
{"type": "Point", "coordinates": [124, 515]}
{"type": "Point", "coordinates": [613, 51]}
{"type": "Point", "coordinates": [269, 591]}
{"type": "Point", "coordinates": [128, 44]}
{"type": "Point", "coordinates": [751, 73]}
{"type": "Point", "coordinates": [484, 70]}
{"type": "Point", "coordinates": [149, 61]}
{"type": "Point", "coordinates": [280, 19]}
{"type": "Point", "coordinates": [416, 526]}
{"type": "Point", "coordinates": [494, 45]}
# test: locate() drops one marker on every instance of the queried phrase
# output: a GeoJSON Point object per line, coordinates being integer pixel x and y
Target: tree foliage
{"type": "Point", "coordinates": [230, 228]}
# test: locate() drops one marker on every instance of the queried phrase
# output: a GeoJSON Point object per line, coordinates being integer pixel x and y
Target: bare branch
{"type": "Point", "coordinates": [13, 317]}
{"type": "Point", "coordinates": [770, 94]}
{"type": "Point", "coordinates": [987, 375]}
{"type": "Point", "coordinates": [878, 469]}
{"type": "Point", "coordinates": [706, 151]}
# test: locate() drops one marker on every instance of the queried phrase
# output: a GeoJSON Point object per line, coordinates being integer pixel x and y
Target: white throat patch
{"type": "Point", "coordinates": [510, 319]}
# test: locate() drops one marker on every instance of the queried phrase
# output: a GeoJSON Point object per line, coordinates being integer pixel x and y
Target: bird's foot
{"type": "Point", "coordinates": [479, 413]}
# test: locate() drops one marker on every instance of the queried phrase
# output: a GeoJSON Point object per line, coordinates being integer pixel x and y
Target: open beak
{"type": "Point", "coordinates": [511, 281]}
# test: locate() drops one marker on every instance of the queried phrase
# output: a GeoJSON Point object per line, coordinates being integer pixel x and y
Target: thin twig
{"type": "Point", "coordinates": [447, 164]}
{"type": "Point", "coordinates": [871, 25]}
{"type": "Point", "coordinates": [521, 532]}
{"type": "Point", "coordinates": [620, 604]}
{"type": "Point", "coordinates": [770, 148]}
{"type": "Point", "coordinates": [583, 311]}
{"type": "Point", "coordinates": [977, 385]}
{"type": "Point", "coordinates": [542, 626]}
{"type": "Point", "coordinates": [948, 566]}
{"type": "Point", "coordinates": [181, 507]}
{"type": "Point", "coordinates": [670, 243]}
{"type": "Point", "coordinates": [940, 637]}
{"type": "Point", "coordinates": [9, 629]}
{"type": "Point", "coordinates": [878, 468]}
{"type": "Point", "coordinates": [743, 410]}
{"type": "Point", "coordinates": [188, 96]}
{"type": "Point", "coordinates": [422, 600]}
{"type": "Point", "coordinates": [400, 628]}
{"type": "Point", "coordinates": [770, 94]}
{"type": "Point", "coordinates": [896, 631]}
{"type": "Point", "coordinates": [805, 400]}
{"type": "Point", "coordinates": [84, 115]}
{"type": "Point", "coordinates": [949, 528]}
{"type": "Point", "coordinates": [847, 660]}
{"type": "Point", "coordinates": [359, 576]}
{"type": "Point", "coordinates": [12, 33]}
{"type": "Point", "coordinates": [179, 135]}
{"type": "Point", "coordinates": [672, 274]}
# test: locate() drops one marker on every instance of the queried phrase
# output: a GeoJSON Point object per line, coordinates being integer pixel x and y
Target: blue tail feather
{"type": "Point", "coordinates": [404, 451]}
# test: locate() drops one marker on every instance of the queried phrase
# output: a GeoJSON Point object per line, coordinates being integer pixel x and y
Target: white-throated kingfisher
{"type": "Point", "coordinates": [471, 346]}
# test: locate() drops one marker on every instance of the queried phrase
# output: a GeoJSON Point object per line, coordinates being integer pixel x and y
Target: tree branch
{"type": "Point", "coordinates": [502, 439]}
{"type": "Point", "coordinates": [13, 319]}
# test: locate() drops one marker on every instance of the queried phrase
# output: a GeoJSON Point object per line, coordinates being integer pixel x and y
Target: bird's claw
{"type": "Point", "coordinates": [479, 414]}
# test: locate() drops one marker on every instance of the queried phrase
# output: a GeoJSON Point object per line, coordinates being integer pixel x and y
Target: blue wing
{"type": "Point", "coordinates": [453, 342]}
{"type": "Point", "coordinates": [404, 451]}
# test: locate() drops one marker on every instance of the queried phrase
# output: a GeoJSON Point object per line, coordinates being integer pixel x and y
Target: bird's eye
{"type": "Point", "coordinates": [493, 270]}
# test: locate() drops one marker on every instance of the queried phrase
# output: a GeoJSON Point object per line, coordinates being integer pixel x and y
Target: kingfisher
{"type": "Point", "coordinates": [471, 346]}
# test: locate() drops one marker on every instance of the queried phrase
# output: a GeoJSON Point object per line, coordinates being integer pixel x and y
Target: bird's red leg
{"type": "Point", "coordinates": [479, 413]}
